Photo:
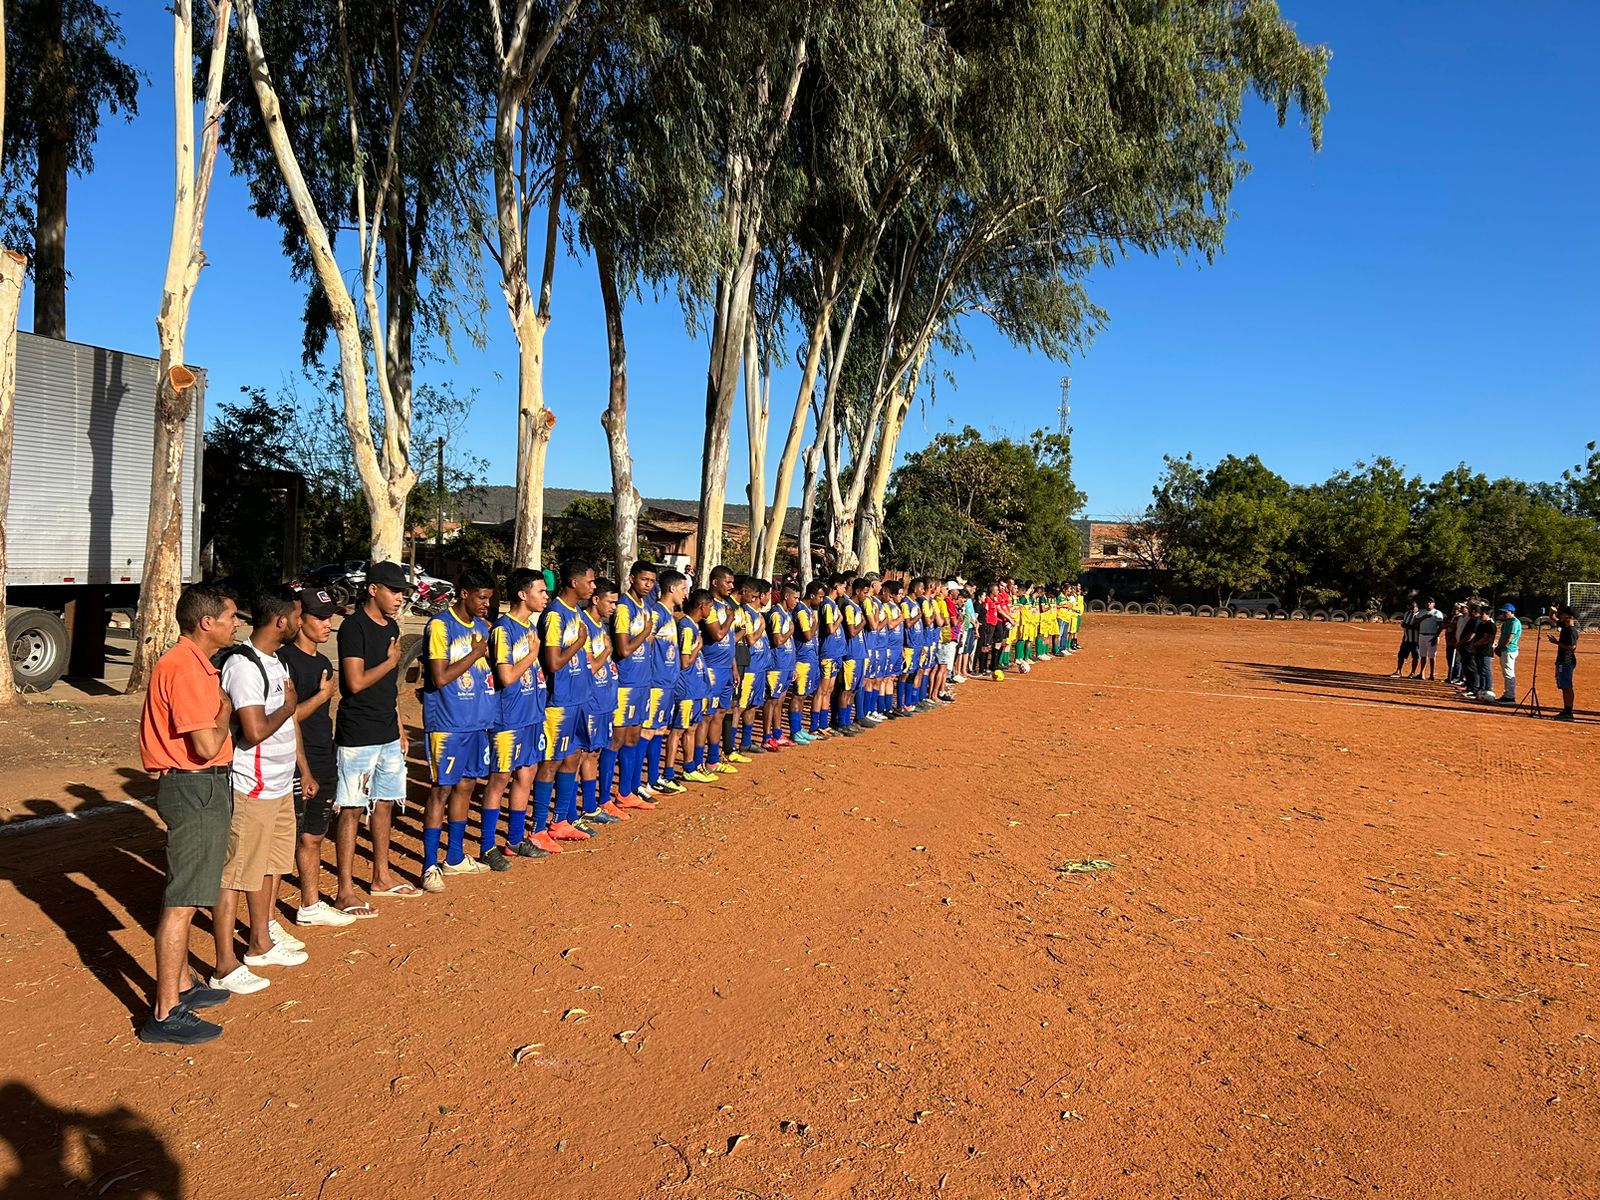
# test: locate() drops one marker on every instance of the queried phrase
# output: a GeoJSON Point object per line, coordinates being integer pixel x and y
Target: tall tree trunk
{"type": "Point", "coordinates": [385, 490]}
{"type": "Point", "coordinates": [722, 380]}
{"type": "Point", "coordinates": [625, 501]}
{"type": "Point", "coordinates": [155, 623]}
{"type": "Point", "coordinates": [771, 536]}
{"type": "Point", "coordinates": [869, 527]}
{"type": "Point", "coordinates": [757, 415]}
{"type": "Point", "coordinates": [50, 201]}
{"type": "Point", "coordinates": [13, 267]}
{"type": "Point", "coordinates": [534, 422]}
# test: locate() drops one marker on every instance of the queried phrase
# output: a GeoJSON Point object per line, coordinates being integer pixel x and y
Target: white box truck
{"type": "Point", "coordinates": [80, 499]}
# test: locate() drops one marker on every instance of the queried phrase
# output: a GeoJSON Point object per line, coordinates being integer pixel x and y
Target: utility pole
{"type": "Point", "coordinates": [1066, 409]}
{"type": "Point", "coordinates": [438, 529]}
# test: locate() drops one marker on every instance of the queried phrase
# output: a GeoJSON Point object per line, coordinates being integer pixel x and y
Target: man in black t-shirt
{"type": "Point", "coordinates": [316, 781]}
{"type": "Point", "coordinates": [1566, 642]}
{"type": "Point", "coordinates": [370, 742]}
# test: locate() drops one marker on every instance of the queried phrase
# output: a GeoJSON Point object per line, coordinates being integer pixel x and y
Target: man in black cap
{"type": "Point", "coordinates": [370, 741]}
{"type": "Point", "coordinates": [316, 782]}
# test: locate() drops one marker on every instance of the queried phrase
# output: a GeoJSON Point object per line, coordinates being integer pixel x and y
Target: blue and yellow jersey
{"type": "Point", "coordinates": [629, 621]}
{"type": "Point", "coordinates": [565, 627]}
{"type": "Point", "coordinates": [468, 701]}
{"type": "Point", "coordinates": [755, 624]}
{"type": "Point", "coordinates": [522, 703]}
{"type": "Point", "coordinates": [855, 624]}
{"type": "Point", "coordinates": [664, 650]}
{"type": "Point", "coordinates": [602, 687]}
{"type": "Point", "coordinates": [694, 682]}
{"type": "Point", "coordinates": [781, 624]}
{"type": "Point", "coordinates": [830, 619]}
{"type": "Point", "coordinates": [719, 655]}
{"type": "Point", "coordinates": [805, 633]}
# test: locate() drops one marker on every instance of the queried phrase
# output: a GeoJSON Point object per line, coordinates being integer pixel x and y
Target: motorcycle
{"type": "Point", "coordinates": [431, 597]}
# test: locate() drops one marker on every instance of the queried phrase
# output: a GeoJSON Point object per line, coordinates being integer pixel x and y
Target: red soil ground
{"type": "Point", "coordinates": [1345, 951]}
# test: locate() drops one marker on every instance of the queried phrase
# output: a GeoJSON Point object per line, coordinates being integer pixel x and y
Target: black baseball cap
{"type": "Point", "coordinates": [314, 602]}
{"type": "Point", "coordinates": [389, 575]}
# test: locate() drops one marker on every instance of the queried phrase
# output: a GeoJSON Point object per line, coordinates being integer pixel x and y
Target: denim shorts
{"type": "Point", "coordinates": [1564, 675]}
{"type": "Point", "coordinates": [371, 773]}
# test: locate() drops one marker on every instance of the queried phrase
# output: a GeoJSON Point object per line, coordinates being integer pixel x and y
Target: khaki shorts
{"type": "Point", "coordinates": [260, 842]}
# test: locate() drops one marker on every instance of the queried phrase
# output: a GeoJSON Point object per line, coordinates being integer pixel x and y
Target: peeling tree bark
{"type": "Point", "coordinates": [869, 528]}
{"type": "Point", "coordinates": [155, 624]}
{"type": "Point", "coordinates": [625, 501]}
{"type": "Point", "coordinates": [13, 267]}
{"type": "Point", "coordinates": [387, 483]}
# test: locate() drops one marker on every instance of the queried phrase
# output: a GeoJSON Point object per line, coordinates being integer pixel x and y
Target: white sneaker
{"type": "Point", "coordinates": [322, 913]}
{"type": "Point", "coordinates": [645, 792]}
{"type": "Point", "coordinates": [433, 881]}
{"type": "Point", "coordinates": [959, 678]}
{"type": "Point", "coordinates": [241, 981]}
{"type": "Point", "coordinates": [279, 956]}
{"type": "Point", "coordinates": [282, 937]}
{"type": "Point", "coordinates": [467, 866]}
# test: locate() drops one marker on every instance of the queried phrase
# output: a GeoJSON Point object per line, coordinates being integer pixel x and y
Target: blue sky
{"type": "Point", "coordinates": [1423, 287]}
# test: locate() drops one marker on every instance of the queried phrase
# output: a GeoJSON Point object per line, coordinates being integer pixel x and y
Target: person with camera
{"type": "Point", "coordinates": [1566, 643]}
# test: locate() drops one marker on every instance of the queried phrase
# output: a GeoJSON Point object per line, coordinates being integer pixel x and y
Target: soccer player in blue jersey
{"type": "Point", "coordinates": [894, 614]}
{"type": "Point", "coordinates": [690, 720]}
{"type": "Point", "coordinates": [564, 638]}
{"type": "Point", "coordinates": [595, 731]}
{"type": "Point", "coordinates": [458, 706]}
{"type": "Point", "coordinates": [516, 734]}
{"type": "Point", "coordinates": [855, 653]}
{"type": "Point", "coordinates": [632, 625]}
{"type": "Point", "coordinates": [672, 588]}
{"type": "Point", "coordinates": [804, 620]}
{"type": "Point", "coordinates": [780, 672]}
{"type": "Point", "coordinates": [719, 653]}
{"type": "Point", "coordinates": [824, 597]}
{"type": "Point", "coordinates": [752, 627]}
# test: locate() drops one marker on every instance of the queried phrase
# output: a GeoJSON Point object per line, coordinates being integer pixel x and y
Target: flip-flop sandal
{"type": "Point", "coordinates": [361, 912]}
{"type": "Point", "coordinates": [401, 891]}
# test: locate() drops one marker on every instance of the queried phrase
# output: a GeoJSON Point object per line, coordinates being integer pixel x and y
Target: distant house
{"type": "Point", "coordinates": [668, 529]}
{"type": "Point", "coordinates": [1120, 560]}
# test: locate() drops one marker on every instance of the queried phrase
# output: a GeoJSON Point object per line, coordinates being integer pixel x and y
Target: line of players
{"type": "Point", "coordinates": [581, 709]}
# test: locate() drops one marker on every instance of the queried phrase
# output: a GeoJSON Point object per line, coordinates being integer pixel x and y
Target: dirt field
{"type": "Point", "coordinates": [1346, 950]}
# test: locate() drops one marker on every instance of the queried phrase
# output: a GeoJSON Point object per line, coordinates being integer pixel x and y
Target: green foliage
{"type": "Point", "coordinates": [1582, 484]}
{"type": "Point", "coordinates": [1224, 530]}
{"type": "Point", "coordinates": [985, 508]}
{"type": "Point", "coordinates": [582, 533]}
{"type": "Point", "coordinates": [56, 88]}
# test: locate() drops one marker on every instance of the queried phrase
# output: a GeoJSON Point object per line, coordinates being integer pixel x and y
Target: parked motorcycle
{"type": "Point", "coordinates": [431, 597]}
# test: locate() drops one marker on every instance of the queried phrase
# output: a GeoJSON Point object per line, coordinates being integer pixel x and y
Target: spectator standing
{"type": "Point", "coordinates": [1430, 622]}
{"type": "Point", "coordinates": [369, 740]}
{"type": "Point", "coordinates": [317, 775]}
{"type": "Point", "coordinates": [261, 840]}
{"type": "Point", "coordinates": [1566, 643]}
{"type": "Point", "coordinates": [1454, 630]}
{"type": "Point", "coordinates": [1408, 644]}
{"type": "Point", "coordinates": [184, 743]}
{"type": "Point", "coordinates": [1505, 650]}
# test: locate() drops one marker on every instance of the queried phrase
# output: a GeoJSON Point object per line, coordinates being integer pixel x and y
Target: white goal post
{"type": "Point", "coordinates": [1584, 599]}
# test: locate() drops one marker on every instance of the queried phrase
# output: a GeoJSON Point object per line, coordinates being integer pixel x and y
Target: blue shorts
{"type": "Point", "coordinates": [561, 726]}
{"type": "Point", "coordinates": [851, 674]}
{"type": "Point", "coordinates": [720, 680]}
{"type": "Point", "coordinates": [828, 671]}
{"type": "Point", "coordinates": [778, 680]}
{"type": "Point", "coordinates": [594, 732]}
{"type": "Point", "coordinates": [658, 709]}
{"type": "Point", "coordinates": [752, 689]}
{"type": "Point", "coordinates": [805, 677]}
{"type": "Point", "coordinates": [457, 755]}
{"type": "Point", "coordinates": [370, 773]}
{"type": "Point", "coordinates": [631, 702]}
{"type": "Point", "coordinates": [688, 711]}
{"type": "Point", "coordinates": [1564, 675]}
{"type": "Point", "coordinates": [513, 749]}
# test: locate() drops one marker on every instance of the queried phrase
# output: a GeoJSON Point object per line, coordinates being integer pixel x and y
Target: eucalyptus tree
{"type": "Point", "coordinates": [63, 71]}
{"type": "Point", "coordinates": [368, 115]}
{"type": "Point", "coordinates": [155, 624]}
{"type": "Point", "coordinates": [13, 267]}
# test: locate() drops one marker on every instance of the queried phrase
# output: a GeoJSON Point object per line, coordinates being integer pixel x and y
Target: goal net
{"type": "Point", "coordinates": [1584, 599]}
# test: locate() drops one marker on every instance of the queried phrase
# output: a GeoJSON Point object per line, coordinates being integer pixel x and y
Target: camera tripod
{"type": "Point", "coordinates": [1530, 698]}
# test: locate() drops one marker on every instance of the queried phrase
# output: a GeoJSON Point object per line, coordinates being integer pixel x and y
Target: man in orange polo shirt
{"type": "Point", "coordinates": [184, 742]}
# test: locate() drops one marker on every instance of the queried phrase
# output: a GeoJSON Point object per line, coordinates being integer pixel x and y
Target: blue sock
{"type": "Point", "coordinates": [902, 694]}
{"type": "Point", "coordinates": [697, 759]}
{"type": "Point", "coordinates": [566, 795]}
{"type": "Point", "coordinates": [653, 761]}
{"type": "Point", "coordinates": [608, 775]}
{"type": "Point", "coordinates": [794, 723]}
{"type": "Point", "coordinates": [590, 788]}
{"type": "Point", "coordinates": [491, 829]}
{"type": "Point", "coordinates": [668, 772]}
{"type": "Point", "coordinates": [846, 711]}
{"type": "Point", "coordinates": [430, 847]}
{"type": "Point", "coordinates": [542, 789]}
{"type": "Point", "coordinates": [714, 752]}
{"type": "Point", "coordinates": [516, 826]}
{"type": "Point", "coordinates": [456, 848]}
{"type": "Point", "coordinates": [746, 733]}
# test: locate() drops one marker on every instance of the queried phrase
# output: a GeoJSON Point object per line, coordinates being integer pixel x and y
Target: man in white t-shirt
{"type": "Point", "coordinates": [262, 838]}
{"type": "Point", "coordinates": [1429, 623]}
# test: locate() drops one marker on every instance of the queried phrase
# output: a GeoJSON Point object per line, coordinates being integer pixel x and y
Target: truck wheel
{"type": "Point", "coordinates": [39, 646]}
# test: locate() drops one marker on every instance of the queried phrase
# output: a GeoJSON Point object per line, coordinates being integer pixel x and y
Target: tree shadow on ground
{"type": "Point", "coordinates": [1385, 689]}
{"type": "Point", "coordinates": [70, 1152]}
